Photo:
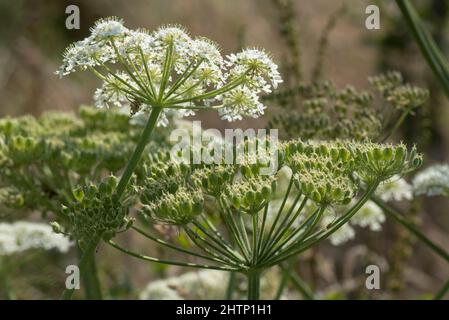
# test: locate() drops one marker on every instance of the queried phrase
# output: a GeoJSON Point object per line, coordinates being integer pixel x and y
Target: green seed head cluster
{"type": "Point", "coordinates": [327, 113]}
{"type": "Point", "coordinates": [252, 194]}
{"type": "Point", "coordinates": [97, 212]}
{"type": "Point", "coordinates": [322, 171]}
{"type": "Point", "coordinates": [386, 82]}
{"type": "Point", "coordinates": [382, 161]}
{"type": "Point", "coordinates": [169, 195]}
{"type": "Point", "coordinates": [42, 158]}
{"type": "Point", "coordinates": [177, 208]}
{"type": "Point", "coordinates": [328, 173]}
{"type": "Point", "coordinates": [161, 177]}
{"type": "Point", "coordinates": [407, 97]}
{"type": "Point", "coordinates": [401, 96]}
{"type": "Point", "coordinates": [11, 197]}
{"type": "Point", "coordinates": [213, 178]}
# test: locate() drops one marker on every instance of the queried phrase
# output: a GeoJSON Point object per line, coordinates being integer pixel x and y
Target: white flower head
{"type": "Point", "coordinates": [370, 215]}
{"type": "Point", "coordinates": [21, 236]}
{"type": "Point", "coordinates": [342, 235]}
{"type": "Point", "coordinates": [172, 34]}
{"type": "Point", "coordinates": [433, 181]}
{"type": "Point", "coordinates": [168, 69]}
{"type": "Point", "coordinates": [204, 284]}
{"type": "Point", "coordinates": [240, 102]}
{"type": "Point", "coordinates": [108, 27]}
{"type": "Point", "coordinates": [259, 67]}
{"type": "Point", "coordinates": [395, 189]}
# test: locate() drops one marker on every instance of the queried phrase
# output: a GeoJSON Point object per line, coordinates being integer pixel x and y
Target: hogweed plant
{"type": "Point", "coordinates": [224, 210]}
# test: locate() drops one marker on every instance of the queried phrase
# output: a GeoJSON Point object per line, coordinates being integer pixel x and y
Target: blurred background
{"type": "Point", "coordinates": [33, 37]}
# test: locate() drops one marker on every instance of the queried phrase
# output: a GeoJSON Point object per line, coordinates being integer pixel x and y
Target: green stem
{"type": "Point", "coordinates": [268, 238]}
{"type": "Point", "coordinates": [4, 279]}
{"type": "Point", "coordinates": [303, 244]}
{"type": "Point", "coordinates": [175, 263]}
{"type": "Point", "coordinates": [90, 279]}
{"type": "Point", "coordinates": [88, 255]}
{"type": "Point", "coordinates": [299, 284]}
{"type": "Point", "coordinates": [140, 147]}
{"type": "Point", "coordinates": [285, 276]}
{"type": "Point", "coordinates": [394, 213]}
{"type": "Point", "coordinates": [440, 295]}
{"type": "Point", "coordinates": [171, 246]}
{"type": "Point", "coordinates": [426, 44]}
{"type": "Point", "coordinates": [397, 124]}
{"type": "Point", "coordinates": [231, 285]}
{"type": "Point", "coordinates": [253, 284]}
{"type": "Point", "coordinates": [86, 266]}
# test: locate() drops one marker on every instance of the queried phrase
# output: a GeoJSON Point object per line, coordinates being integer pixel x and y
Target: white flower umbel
{"type": "Point", "coordinates": [342, 235]}
{"type": "Point", "coordinates": [21, 236]}
{"type": "Point", "coordinates": [204, 284]}
{"type": "Point", "coordinates": [168, 69]}
{"type": "Point", "coordinates": [370, 215]}
{"type": "Point", "coordinates": [395, 189]}
{"type": "Point", "coordinates": [433, 181]}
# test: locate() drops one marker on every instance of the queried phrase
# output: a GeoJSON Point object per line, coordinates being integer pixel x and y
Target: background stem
{"type": "Point", "coordinates": [231, 285]}
{"type": "Point", "coordinates": [393, 213]}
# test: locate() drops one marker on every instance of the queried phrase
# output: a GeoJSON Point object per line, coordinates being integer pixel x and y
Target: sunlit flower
{"type": "Point", "coordinates": [370, 215]}
{"type": "Point", "coordinates": [395, 189]}
{"type": "Point", "coordinates": [433, 181]}
{"type": "Point", "coordinates": [168, 69]}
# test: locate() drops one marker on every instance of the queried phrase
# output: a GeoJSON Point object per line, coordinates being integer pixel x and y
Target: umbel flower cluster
{"type": "Point", "coordinates": [326, 112]}
{"type": "Point", "coordinates": [230, 229]}
{"type": "Point", "coordinates": [168, 69]}
{"type": "Point", "coordinates": [21, 236]}
{"type": "Point", "coordinates": [432, 181]}
{"type": "Point", "coordinates": [43, 159]}
{"type": "Point", "coordinates": [205, 285]}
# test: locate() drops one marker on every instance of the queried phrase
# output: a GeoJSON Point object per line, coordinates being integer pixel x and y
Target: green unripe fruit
{"type": "Point", "coordinates": [197, 208]}
{"type": "Point", "coordinates": [316, 196]}
{"type": "Point", "coordinates": [186, 208]}
{"type": "Point", "coordinates": [388, 154]}
{"type": "Point", "coordinates": [377, 154]}
{"type": "Point", "coordinates": [266, 193]}
{"type": "Point", "coordinates": [78, 194]}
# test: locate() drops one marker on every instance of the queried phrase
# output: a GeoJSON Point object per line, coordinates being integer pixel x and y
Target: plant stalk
{"type": "Point", "coordinates": [87, 261]}
{"type": "Point", "coordinates": [88, 255]}
{"type": "Point", "coordinates": [90, 279]}
{"type": "Point", "coordinates": [253, 284]}
{"type": "Point", "coordinates": [140, 147]}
